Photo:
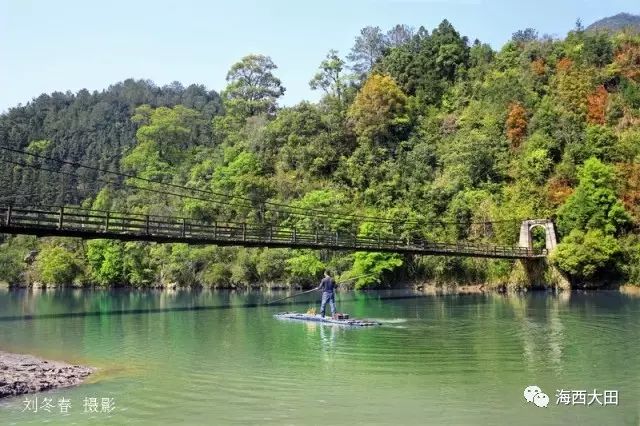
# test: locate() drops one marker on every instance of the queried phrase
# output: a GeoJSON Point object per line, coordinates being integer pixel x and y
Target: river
{"type": "Point", "coordinates": [205, 357]}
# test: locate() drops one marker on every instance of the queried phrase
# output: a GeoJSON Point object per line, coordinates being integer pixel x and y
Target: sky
{"type": "Point", "coordinates": [62, 45]}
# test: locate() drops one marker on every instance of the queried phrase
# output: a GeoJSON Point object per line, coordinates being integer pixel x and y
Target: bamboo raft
{"type": "Point", "coordinates": [351, 322]}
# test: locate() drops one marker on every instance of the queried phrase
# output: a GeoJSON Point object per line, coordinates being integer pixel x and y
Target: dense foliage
{"type": "Point", "coordinates": [446, 139]}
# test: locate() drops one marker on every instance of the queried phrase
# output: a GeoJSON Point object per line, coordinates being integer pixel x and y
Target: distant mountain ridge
{"type": "Point", "coordinates": [616, 23]}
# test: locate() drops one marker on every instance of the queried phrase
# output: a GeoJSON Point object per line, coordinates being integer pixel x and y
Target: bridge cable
{"type": "Point", "coordinates": [335, 215]}
{"type": "Point", "coordinates": [318, 213]}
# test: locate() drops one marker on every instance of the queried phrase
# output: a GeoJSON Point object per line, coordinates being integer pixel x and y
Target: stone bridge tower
{"type": "Point", "coordinates": [549, 233]}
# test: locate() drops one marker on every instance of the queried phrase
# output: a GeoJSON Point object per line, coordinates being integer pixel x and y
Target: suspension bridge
{"type": "Point", "coordinates": [69, 221]}
{"type": "Point", "coordinates": [97, 224]}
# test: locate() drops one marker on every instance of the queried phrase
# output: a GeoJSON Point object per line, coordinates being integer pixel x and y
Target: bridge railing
{"type": "Point", "coordinates": [132, 224]}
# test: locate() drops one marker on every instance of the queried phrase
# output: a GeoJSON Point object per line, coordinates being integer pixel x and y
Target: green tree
{"type": "Point", "coordinates": [400, 34]}
{"type": "Point", "coordinates": [599, 141]}
{"type": "Point", "coordinates": [15, 253]}
{"type": "Point", "coordinates": [253, 88]}
{"type": "Point", "coordinates": [304, 268]}
{"type": "Point", "coordinates": [369, 267]}
{"type": "Point", "coordinates": [106, 261]}
{"type": "Point", "coordinates": [536, 166]}
{"type": "Point", "coordinates": [429, 63]}
{"type": "Point", "coordinates": [56, 265]}
{"type": "Point", "coordinates": [367, 49]}
{"type": "Point", "coordinates": [330, 77]}
{"type": "Point", "coordinates": [584, 255]}
{"type": "Point", "coordinates": [597, 49]}
{"type": "Point", "coordinates": [163, 138]}
{"type": "Point", "coordinates": [304, 139]}
{"type": "Point", "coordinates": [594, 205]}
{"type": "Point", "coordinates": [525, 36]}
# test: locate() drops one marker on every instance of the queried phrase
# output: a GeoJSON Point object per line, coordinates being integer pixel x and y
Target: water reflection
{"type": "Point", "coordinates": [328, 336]}
{"type": "Point", "coordinates": [221, 357]}
{"type": "Point", "coordinates": [70, 303]}
{"type": "Point", "coordinates": [542, 329]}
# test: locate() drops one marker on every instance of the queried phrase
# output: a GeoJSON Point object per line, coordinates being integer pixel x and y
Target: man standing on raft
{"type": "Point", "coordinates": [327, 285]}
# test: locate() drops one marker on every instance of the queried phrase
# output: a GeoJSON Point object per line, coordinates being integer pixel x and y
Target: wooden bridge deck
{"type": "Point", "coordinates": [93, 224]}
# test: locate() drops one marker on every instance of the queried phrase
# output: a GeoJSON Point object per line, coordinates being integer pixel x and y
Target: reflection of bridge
{"type": "Point", "coordinates": [94, 224]}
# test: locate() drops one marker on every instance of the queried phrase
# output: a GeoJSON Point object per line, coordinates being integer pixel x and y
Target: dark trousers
{"type": "Point", "coordinates": [328, 297]}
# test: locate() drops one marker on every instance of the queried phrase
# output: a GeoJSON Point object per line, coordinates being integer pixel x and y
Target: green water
{"type": "Point", "coordinates": [436, 360]}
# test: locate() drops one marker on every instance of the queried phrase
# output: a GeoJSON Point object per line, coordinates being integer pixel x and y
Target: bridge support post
{"type": "Point", "coordinates": [270, 233]}
{"type": "Point", "coordinates": [244, 231]}
{"type": "Point", "coordinates": [147, 224]}
{"type": "Point", "coordinates": [215, 229]}
{"type": "Point", "coordinates": [61, 217]}
{"type": "Point", "coordinates": [316, 240]}
{"type": "Point", "coordinates": [106, 221]}
{"type": "Point", "coordinates": [526, 240]}
{"type": "Point", "coordinates": [184, 227]}
{"type": "Point", "coordinates": [9, 212]}
{"type": "Point", "coordinates": [294, 235]}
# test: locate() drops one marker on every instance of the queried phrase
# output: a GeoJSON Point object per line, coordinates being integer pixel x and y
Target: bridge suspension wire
{"type": "Point", "coordinates": [301, 211]}
{"type": "Point", "coordinates": [133, 186]}
{"type": "Point", "coordinates": [156, 191]}
{"type": "Point", "coordinates": [306, 211]}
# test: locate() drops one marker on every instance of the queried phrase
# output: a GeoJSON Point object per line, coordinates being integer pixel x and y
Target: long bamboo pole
{"type": "Point", "coordinates": [313, 289]}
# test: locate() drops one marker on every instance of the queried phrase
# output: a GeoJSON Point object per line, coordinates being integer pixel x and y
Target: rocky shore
{"type": "Point", "coordinates": [20, 374]}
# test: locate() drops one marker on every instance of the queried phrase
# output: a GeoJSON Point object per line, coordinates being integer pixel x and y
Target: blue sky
{"type": "Point", "coordinates": [64, 45]}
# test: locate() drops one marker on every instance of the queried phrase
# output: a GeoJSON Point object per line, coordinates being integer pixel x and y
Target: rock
{"type": "Point", "coordinates": [20, 374]}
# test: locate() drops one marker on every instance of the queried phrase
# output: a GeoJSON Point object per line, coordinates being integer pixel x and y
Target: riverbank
{"type": "Point", "coordinates": [21, 374]}
{"type": "Point", "coordinates": [422, 287]}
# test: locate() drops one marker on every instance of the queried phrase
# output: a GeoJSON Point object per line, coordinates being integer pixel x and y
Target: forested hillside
{"type": "Point", "coordinates": [91, 128]}
{"type": "Point", "coordinates": [615, 23]}
{"type": "Point", "coordinates": [418, 134]}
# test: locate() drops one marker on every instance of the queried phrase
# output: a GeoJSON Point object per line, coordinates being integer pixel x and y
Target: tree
{"type": "Point", "coordinates": [516, 124]}
{"type": "Point", "coordinates": [525, 36]}
{"type": "Point", "coordinates": [163, 138]}
{"type": "Point", "coordinates": [368, 48]}
{"type": "Point", "coordinates": [242, 176]}
{"type": "Point", "coordinates": [379, 109]}
{"type": "Point", "coordinates": [593, 205]}
{"type": "Point", "coordinates": [429, 63]}
{"type": "Point", "coordinates": [480, 55]}
{"type": "Point", "coordinates": [572, 86]}
{"type": "Point", "coordinates": [253, 88]}
{"type": "Point", "coordinates": [370, 266]}
{"type": "Point", "coordinates": [452, 51]}
{"type": "Point", "coordinates": [598, 141]}
{"type": "Point", "coordinates": [56, 265]}
{"type": "Point", "coordinates": [598, 49]}
{"type": "Point", "coordinates": [330, 78]}
{"type": "Point", "coordinates": [303, 138]}
{"type": "Point", "coordinates": [536, 166]}
{"type": "Point", "coordinates": [106, 259]}
{"type": "Point", "coordinates": [373, 265]}
{"type": "Point", "coordinates": [92, 128]}
{"type": "Point", "coordinates": [14, 253]}
{"type": "Point", "coordinates": [597, 105]}
{"type": "Point", "coordinates": [305, 267]}
{"type": "Point", "coordinates": [399, 35]}
{"type": "Point", "coordinates": [586, 254]}
{"type": "Point", "coordinates": [627, 58]}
